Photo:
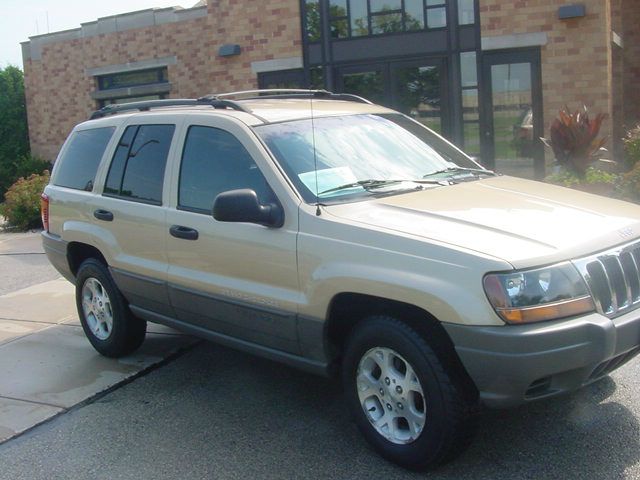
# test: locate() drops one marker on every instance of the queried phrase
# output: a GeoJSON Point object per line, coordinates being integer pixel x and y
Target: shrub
{"type": "Point", "coordinates": [21, 167]}
{"type": "Point", "coordinates": [632, 147]}
{"type": "Point", "coordinates": [592, 176]}
{"type": "Point", "coordinates": [574, 140]}
{"type": "Point", "coordinates": [630, 184]}
{"type": "Point", "coordinates": [21, 206]}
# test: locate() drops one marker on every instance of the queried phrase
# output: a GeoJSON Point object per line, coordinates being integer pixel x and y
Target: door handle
{"type": "Point", "coordinates": [105, 215]}
{"type": "Point", "coordinates": [185, 233]}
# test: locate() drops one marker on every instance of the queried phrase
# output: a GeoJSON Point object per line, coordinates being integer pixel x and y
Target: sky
{"type": "Point", "coordinates": [20, 19]}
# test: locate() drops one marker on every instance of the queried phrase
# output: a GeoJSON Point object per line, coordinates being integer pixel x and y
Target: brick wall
{"type": "Point", "coordinates": [631, 52]}
{"type": "Point", "coordinates": [576, 60]}
{"type": "Point", "coordinates": [58, 89]}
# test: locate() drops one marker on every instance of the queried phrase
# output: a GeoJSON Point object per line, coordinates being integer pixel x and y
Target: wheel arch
{"type": "Point", "coordinates": [78, 252]}
{"type": "Point", "coordinates": [348, 309]}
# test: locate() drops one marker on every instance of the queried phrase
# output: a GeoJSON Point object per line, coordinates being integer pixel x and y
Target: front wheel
{"type": "Point", "coordinates": [403, 399]}
{"type": "Point", "coordinates": [104, 314]}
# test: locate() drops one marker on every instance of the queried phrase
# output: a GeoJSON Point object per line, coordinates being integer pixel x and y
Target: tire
{"type": "Point", "coordinates": [104, 314]}
{"type": "Point", "coordinates": [425, 419]}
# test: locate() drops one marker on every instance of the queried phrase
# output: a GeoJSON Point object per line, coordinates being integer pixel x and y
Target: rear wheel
{"type": "Point", "coordinates": [404, 400]}
{"type": "Point", "coordinates": [104, 314]}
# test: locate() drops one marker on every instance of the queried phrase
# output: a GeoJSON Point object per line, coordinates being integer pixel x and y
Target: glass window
{"type": "Point", "coordinates": [359, 18]}
{"type": "Point", "coordinates": [131, 79]}
{"type": "Point", "coordinates": [137, 169]}
{"type": "Point", "coordinates": [338, 8]}
{"type": "Point", "coordinates": [312, 8]}
{"type": "Point", "coordinates": [436, 17]}
{"type": "Point", "coordinates": [466, 12]}
{"type": "Point", "coordinates": [339, 19]}
{"type": "Point", "coordinates": [471, 119]}
{"type": "Point", "coordinates": [413, 14]}
{"type": "Point", "coordinates": [385, 5]}
{"type": "Point", "coordinates": [356, 18]}
{"type": "Point", "coordinates": [214, 161]}
{"type": "Point", "coordinates": [339, 28]}
{"type": "Point", "coordinates": [469, 69]}
{"type": "Point", "coordinates": [80, 161]}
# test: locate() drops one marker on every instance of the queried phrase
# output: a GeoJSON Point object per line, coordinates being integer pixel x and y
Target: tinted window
{"type": "Point", "coordinates": [137, 168]}
{"type": "Point", "coordinates": [214, 161]}
{"type": "Point", "coordinates": [79, 163]}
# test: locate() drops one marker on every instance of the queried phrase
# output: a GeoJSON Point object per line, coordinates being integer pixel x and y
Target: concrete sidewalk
{"type": "Point", "coordinates": [47, 366]}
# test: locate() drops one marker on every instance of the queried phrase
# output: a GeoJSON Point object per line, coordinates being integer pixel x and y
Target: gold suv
{"type": "Point", "coordinates": [335, 235]}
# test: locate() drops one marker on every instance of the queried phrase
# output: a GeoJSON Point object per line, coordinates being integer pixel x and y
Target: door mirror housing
{"type": "Point", "coordinates": [243, 206]}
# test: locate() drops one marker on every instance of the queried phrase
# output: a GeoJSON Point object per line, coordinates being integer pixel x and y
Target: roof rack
{"type": "Point", "coordinates": [220, 100]}
{"type": "Point", "coordinates": [289, 93]}
{"type": "Point", "coordinates": [143, 106]}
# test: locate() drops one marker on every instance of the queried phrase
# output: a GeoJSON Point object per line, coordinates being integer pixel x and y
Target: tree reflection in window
{"type": "Point", "coordinates": [356, 18]}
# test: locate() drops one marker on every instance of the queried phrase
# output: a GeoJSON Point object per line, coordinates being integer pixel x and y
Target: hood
{"type": "Point", "coordinates": [524, 222]}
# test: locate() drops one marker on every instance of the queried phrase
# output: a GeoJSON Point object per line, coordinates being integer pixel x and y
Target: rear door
{"type": "Point", "coordinates": [238, 279]}
{"type": "Point", "coordinates": [130, 213]}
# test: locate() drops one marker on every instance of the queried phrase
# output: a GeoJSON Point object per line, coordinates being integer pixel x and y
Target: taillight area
{"type": "Point", "coordinates": [44, 211]}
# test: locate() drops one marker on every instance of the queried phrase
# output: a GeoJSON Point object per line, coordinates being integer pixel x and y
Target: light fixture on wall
{"type": "Point", "coordinates": [229, 50]}
{"type": "Point", "coordinates": [572, 11]}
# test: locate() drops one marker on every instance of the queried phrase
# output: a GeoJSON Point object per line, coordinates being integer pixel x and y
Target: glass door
{"type": "Point", "coordinates": [368, 81]}
{"type": "Point", "coordinates": [417, 90]}
{"type": "Point", "coordinates": [512, 121]}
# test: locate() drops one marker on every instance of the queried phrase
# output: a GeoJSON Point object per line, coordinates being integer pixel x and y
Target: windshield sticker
{"type": "Point", "coordinates": [328, 178]}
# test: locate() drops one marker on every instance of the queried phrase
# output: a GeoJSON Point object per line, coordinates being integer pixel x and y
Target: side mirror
{"type": "Point", "coordinates": [243, 206]}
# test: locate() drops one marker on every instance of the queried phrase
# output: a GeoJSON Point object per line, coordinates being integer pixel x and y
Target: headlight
{"type": "Point", "coordinates": [548, 293]}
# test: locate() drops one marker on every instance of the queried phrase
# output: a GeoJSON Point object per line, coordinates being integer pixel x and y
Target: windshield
{"type": "Point", "coordinates": [360, 155]}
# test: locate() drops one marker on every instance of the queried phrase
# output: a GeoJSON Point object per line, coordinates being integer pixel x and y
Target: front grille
{"type": "Point", "coordinates": [613, 277]}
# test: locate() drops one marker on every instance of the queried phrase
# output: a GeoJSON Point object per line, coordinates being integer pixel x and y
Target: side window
{"type": "Point", "coordinates": [214, 161]}
{"type": "Point", "coordinates": [79, 163]}
{"type": "Point", "coordinates": [137, 168]}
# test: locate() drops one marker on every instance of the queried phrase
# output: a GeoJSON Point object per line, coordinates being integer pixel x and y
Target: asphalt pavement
{"type": "Point", "coordinates": [213, 413]}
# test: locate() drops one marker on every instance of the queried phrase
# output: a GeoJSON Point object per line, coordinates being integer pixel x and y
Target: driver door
{"type": "Point", "coordinates": [238, 279]}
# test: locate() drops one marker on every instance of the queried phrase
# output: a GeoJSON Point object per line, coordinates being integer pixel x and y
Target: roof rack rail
{"type": "Point", "coordinates": [211, 101]}
{"type": "Point", "coordinates": [289, 93]}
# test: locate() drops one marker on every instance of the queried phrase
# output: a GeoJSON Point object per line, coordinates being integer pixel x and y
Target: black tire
{"type": "Point", "coordinates": [126, 332]}
{"type": "Point", "coordinates": [450, 416]}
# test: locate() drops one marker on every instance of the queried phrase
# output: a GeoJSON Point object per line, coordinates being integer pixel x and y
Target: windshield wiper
{"type": "Point", "coordinates": [477, 171]}
{"type": "Point", "coordinates": [366, 184]}
{"type": "Point", "coordinates": [373, 183]}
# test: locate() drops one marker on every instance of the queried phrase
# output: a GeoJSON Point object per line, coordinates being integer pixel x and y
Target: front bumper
{"type": "Point", "coordinates": [512, 365]}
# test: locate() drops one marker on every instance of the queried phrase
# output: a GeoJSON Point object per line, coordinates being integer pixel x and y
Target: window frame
{"type": "Point", "coordinates": [371, 15]}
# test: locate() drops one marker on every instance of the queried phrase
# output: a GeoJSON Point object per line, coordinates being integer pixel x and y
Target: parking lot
{"type": "Point", "coordinates": [210, 412]}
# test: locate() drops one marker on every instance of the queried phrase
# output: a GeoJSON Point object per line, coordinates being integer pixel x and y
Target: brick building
{"type": "Point", "coordinates": [489, 74]}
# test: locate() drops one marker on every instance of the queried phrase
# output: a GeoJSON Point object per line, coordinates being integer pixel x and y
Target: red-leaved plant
{"type": "Point", "coordinates": [574, 139]}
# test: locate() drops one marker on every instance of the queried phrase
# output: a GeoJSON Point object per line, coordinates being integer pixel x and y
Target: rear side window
{"type": "Point", "coordinates": [79, 163]}
{"type": "Point", "coordinates": [137, 169]}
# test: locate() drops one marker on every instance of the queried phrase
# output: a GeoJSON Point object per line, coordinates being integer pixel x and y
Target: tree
{"type": "Point", "coordinates": [15, 157]}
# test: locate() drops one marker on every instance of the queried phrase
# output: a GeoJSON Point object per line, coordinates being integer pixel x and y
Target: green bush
{"type": "Point", "coordinates": [630, 185]}
{"type": "Point", "coordinates": [22, 167]}
{"type": "Point", "coordinates": [632, 147]}
{"type": "Point", "coordinates": [592, 176]}
{"type": "Point", "coordinates": [21, 205]}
